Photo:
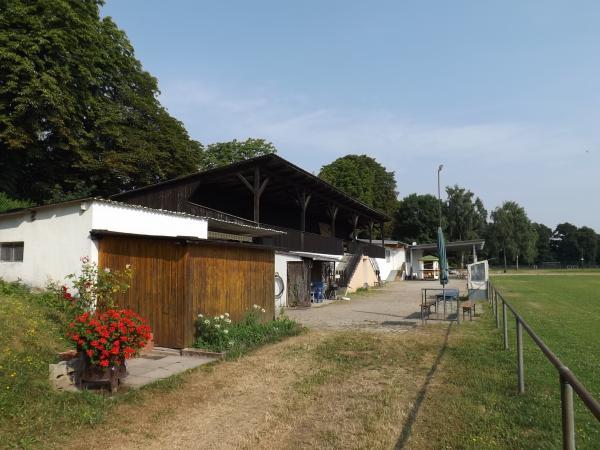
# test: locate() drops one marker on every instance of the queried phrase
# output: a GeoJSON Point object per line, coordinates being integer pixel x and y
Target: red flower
{"type": "Point", "coordinates": [109, 336]}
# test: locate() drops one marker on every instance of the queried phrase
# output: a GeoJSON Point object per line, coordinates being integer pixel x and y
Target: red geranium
{"type": "Point", "coordinates": [109, 337]}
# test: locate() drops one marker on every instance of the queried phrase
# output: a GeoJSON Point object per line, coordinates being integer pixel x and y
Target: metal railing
{"type": "Point", "coordinates": [295, 240]}
{"type": "Point", "coordinates": [567, 379]}
{"type": "Point", "coordinates": [373, 250]}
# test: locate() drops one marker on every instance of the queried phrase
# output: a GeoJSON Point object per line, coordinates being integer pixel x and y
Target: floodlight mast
{"type": "Point", "coordinates": [440, 195]}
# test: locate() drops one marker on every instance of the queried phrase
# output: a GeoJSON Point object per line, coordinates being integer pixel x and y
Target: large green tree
{"type": "Point", "coordinates": [465, 214]}
{"type": "Point", "coordinates": [365, 179]}
{"type": "Point", "coordinates": [544, 250]}
{"type": "Point", "coordinates": [223, 153]}
{"type": "Point", "coordinates": [417, 219]}
{"type": "Point", "coordinates": [512, 233]}
{"type": "Point", "coordinates": [566, 244]}
{"type": "Point", "coordinates": [78, 114]}
{"type": "Point", "coordinates": [587, 240]}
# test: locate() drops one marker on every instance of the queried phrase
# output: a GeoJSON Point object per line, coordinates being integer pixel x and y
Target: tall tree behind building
{"type": "Point", "coordinates": [417, 219]}
{"type": "Point", "coordinates": [78, 114]}
{"type": "Point", "coordinates": [223, 153]}
{"type": "Point", "coordinates": [365, 179]}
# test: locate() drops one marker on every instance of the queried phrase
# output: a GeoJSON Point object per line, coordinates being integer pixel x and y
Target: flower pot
{"type": "Point", "coordinates": [103, 375]}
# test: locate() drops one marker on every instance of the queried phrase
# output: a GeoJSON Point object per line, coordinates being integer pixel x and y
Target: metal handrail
{"type": "Point", "coordinates": [568, 381]}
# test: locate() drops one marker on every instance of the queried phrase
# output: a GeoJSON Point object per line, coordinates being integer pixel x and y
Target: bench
{"type": "Point", "coordinates": [426, 308]}
{"type": "Point", "coordinates": [468, 307]}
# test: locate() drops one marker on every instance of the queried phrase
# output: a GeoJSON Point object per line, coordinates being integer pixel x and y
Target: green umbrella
{"type": "Point", "coordinates": [443, 260]}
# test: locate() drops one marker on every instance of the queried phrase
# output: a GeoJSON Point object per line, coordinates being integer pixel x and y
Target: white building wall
{"type": "Point", "coordinates": [281, 260]}
{"type": "Point", "coordinates": [53, 244]}
{"type": "Point", "coordinates": [416, 267]}
{"type": "Point", "coordinates": [395, 258]}
{"type": "Point", "coordinates": [59, 236]}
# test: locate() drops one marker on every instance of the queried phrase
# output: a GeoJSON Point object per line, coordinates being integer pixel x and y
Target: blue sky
{"type": "Point", "coordinates": [505, 94]}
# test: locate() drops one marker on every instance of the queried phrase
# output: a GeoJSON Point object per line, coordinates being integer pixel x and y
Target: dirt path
{"type": "Point", "coordinates": [343, 384]}
{"type": "Point", "coordinates": [335, 389]}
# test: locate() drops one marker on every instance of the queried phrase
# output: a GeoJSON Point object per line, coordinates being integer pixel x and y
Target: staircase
{"type": "Point", "coordinates": [346, 268]}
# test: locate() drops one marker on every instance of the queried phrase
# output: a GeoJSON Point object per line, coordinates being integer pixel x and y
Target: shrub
{"type": "Point", "coordinates": [213, 332]}
{"type": "Point", "coordinates": [96, 287]}
{"type": "Point", "coordinates": [251, 332]}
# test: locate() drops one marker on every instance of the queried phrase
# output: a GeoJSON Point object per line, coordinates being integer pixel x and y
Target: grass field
{"type": "Point", "coordinates": [474, 397]}
{"type": "Point", "coordinates": [434, 387]}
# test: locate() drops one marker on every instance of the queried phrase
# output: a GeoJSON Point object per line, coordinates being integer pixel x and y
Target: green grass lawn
{"type": "Point", "coordinates": [32, 415]}
{"type": "Point", "coordinates": [475, 398]}
{"type": "Point", "coordinates": [564, 310]}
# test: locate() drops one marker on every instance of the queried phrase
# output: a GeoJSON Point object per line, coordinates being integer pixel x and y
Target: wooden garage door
{"type": "Point", "coordinates": [298, 284]}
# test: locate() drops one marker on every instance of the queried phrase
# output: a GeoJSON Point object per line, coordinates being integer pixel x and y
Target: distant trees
{"type": "Point", "coordinates": [78, 114]}
{"type": "Point", "coordinates": [465, 214]}
{"type": "Point", "coordinates": [512, 234]}
{"type": "Point", "coordinates": [544, 251]}
{"type": "Point", "coordinates": [223, 153]}
{"type": "Point", "coordinates": [575, 246]}
{"type": "Point", "coordinates": [365, 179]}
{"type": "Point", "coordinates": [417, 219]}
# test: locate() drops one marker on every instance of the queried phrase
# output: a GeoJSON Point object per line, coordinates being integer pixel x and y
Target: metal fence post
{"type": "Point", "coordinates": [520, 369]}
{"type": "Point", "coordinates": [568, 414]}
{"type": "Point", "coordinates": [497, 313]}
{"type": "Point", "coordinates": [505, 325]}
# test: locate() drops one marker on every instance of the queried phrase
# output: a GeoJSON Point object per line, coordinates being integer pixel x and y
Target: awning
{"type": "Point", "coordinates": [319, 256]}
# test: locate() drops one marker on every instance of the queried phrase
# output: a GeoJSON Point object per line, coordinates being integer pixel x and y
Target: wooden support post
{"type": "Point", "coordinates": [302, 200]}
{"type": "Point", "coordinates": [257, 188]}
{"type": "Point", "coordinates": [354, 224]}
{"type": "Point", "coordinates": [382, 236]}
{"type": "Point", "coordinates": [333, 211]}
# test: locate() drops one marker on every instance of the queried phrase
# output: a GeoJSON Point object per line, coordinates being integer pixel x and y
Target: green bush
{"type": "Point", "coordinates": [213, 332]}
{"type": "Point", "coordinates": [218, 334]}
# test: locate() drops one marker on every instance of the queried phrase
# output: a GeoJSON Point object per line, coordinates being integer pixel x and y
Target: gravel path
{"type": "Point", "coordinates": [393, 307]}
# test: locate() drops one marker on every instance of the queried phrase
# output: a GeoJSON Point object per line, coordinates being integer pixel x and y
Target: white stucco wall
{"type": "Point", "coordinates": [53, 244]}
{"type": "Point", "coordinates": [59, 236]}
{"type": "Point", "coordinates": [364, 274]}
{"type": "Point", "coordinates": [397, 257]}
{"type": "Point", "coordinates": [281, 260]}
{"type": "Point", "coordinates": [415, 255]}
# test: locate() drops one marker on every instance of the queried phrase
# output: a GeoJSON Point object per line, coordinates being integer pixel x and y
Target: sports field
{"type": "Point", "coordinates": [473, 402]}
{"type": "Point", "coordinates": [564, 309]}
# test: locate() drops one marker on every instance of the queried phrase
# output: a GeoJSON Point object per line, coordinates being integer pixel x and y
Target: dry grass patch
{"type": "Point", "coordinates": [349, 389]}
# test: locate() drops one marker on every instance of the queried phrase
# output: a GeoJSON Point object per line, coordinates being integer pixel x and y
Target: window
{"type": "Point", "coordinates": [388, 255]}
{"type": "Point", "coordinates": [11, 251]}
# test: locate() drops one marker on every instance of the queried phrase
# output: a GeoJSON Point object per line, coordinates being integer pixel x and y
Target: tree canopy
{"type": "Point", "coordinates": [465, 214]}
{"type": "Point", "coordinates": [365, 179]}
{"type": "Point", "coordinates": [222, 153]}
{"type": "Point", "coordinates": [417, 219]}
{"type": "Point", "coordinates": [78, 114]}
{"type": "Point", "coordinates": [511, 233]}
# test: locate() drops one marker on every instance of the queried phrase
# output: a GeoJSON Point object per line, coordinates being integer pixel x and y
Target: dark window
{"type": "Point", "coordinates": [11, 251]}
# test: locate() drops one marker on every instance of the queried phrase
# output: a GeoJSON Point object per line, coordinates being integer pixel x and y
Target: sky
{"type": "Point", "coordinates": [505, 94]}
